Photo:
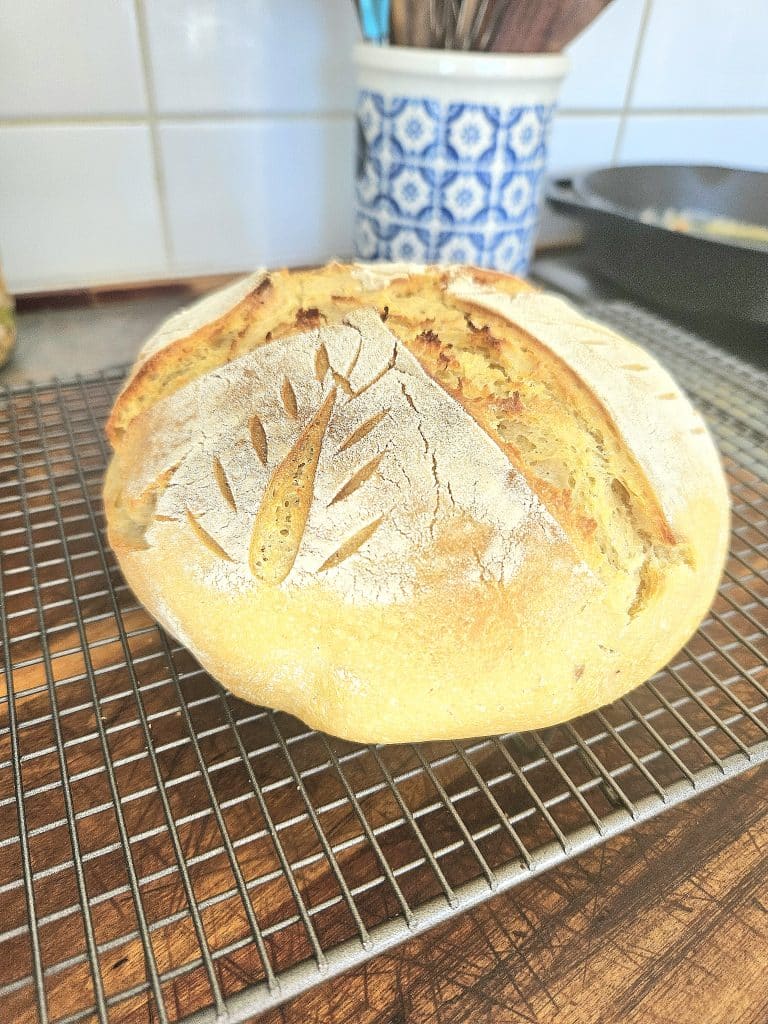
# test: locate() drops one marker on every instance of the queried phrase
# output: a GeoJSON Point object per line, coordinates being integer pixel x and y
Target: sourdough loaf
{"type": "Point", "coordinates": [404, 502]}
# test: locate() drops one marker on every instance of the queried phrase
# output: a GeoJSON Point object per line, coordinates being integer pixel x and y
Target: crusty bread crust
{"type": "Point", "coordinates": [407, 503]}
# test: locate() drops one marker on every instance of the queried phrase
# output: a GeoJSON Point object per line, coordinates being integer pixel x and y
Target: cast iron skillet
{"type": "Point", "coordinates": [686, 272]}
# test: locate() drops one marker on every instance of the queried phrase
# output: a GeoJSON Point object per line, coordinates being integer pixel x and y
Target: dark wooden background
{"type": "Point", "coordinates": [665, 924]}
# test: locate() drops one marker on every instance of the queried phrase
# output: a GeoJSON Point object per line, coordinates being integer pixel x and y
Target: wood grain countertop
{"type": "Point", "coordinates": [664, 924]}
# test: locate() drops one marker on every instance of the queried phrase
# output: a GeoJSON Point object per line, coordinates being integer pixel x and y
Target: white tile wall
{"type": "Point", "coordinates": [149, 138]}
{"type": "Point", "coordinates": [269, 191]}
{"type": "Point", "coordinates": [704, 54]}
{"type": "Point", "coordinates": [61, 57]}
{"type": "Point", "coordinates": [735, 140]}
{"type": "Point", "coordinates": [601, 59]}
{"type": "Point", "coordinates": [78, 204]}
{"type": "Point", "coordinates": [251, 56]}
{"type": "Point", "coordinates": [579, 140]}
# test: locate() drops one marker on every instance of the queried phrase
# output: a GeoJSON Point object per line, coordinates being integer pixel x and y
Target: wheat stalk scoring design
{"type": "Point", "coordinates": [282, 516]}
{"type": "Point", "coordinates": [281, 519]}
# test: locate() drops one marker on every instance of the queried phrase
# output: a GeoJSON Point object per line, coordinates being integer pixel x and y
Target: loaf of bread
{"type": "Point", "coordinates": [406, 502]}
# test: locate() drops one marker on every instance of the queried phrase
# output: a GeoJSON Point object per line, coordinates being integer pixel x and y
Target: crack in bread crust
{"type": "Point", "coordinates": [413, 503]}
{"type": "Point", "coordinates": [548, 422]}
{"type": "Point", "coordinates": [344, 491]}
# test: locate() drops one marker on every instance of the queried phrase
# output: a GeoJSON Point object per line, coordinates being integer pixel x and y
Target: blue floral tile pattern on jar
{"type": "Point", "coordinates": [472, 133]}
{"type": "Point", "coordinates": [449, 182]}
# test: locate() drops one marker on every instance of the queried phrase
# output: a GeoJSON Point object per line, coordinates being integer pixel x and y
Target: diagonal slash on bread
{"type": "Point", "coordinates": [439, 457]}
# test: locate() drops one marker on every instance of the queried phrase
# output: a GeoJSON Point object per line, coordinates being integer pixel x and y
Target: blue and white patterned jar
{"type": "Point", "coordinates": [451, 154]}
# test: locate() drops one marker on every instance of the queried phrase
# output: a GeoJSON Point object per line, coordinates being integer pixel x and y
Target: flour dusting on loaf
{"type": "Point", "coordinates": [667, 439]}
{"type": "Point", "coordinates": [210, 307]}
{"type": "Point", "coordinates": [423, 468]}
{"type": "Point", "coordinates": [406, 502]}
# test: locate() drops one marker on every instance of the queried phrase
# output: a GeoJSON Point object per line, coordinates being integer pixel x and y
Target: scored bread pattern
{"type": "Point", "coordinates": [357, 479]}
{"type": "Point", "coordinates": [363, 429]}
{"type": "Point", "coordinates": [281, 520]}
{"type": "Point", "coordinates": [223, 484]}
{"type": "Point", "coordinates": [334, 453]}
{"type": "Point", "coordinates": [203, 536]}
{"type": "Point", "coordinates": [627, 390]}
{"type": "Point", "coordinates": [351, 545]}
{"type": "Point", "coordinates": [282, 516]}
{"type": "Point", "coordinates": [289, 399]}
{"type": "Point", "coordinates": [258, 438]}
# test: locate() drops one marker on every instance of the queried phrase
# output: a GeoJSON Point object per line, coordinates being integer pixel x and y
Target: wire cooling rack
{"type": "Point", "coordinates": [169, 853]}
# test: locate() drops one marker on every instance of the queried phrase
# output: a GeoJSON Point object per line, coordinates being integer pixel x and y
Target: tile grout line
{"type": "Point", "coordinates": [663, 111]}
{"type": "Point", "coordinates": [154, 131]}
{"type": "Point", "coordinates": [259, 116]}
{"type": "Point", "coordinates": [629, 94]}
{"type": "Point", "coordinates": [184, 117]}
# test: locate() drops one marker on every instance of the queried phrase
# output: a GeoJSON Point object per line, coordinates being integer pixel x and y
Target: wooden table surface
{"type": "Point", "coordinates": [665, 924]}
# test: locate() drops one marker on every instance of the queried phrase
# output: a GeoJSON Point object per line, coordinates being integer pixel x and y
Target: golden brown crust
{"type": "Point", "coordinates": [204, 348]}
{"type": "Point", "coordinates": [404, 503]}
{"type": "Point", "coordinates": [276, 305]}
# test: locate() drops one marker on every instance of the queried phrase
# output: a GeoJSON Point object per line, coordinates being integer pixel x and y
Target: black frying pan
{"type": "Point", "coordinates": [696, 274]}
